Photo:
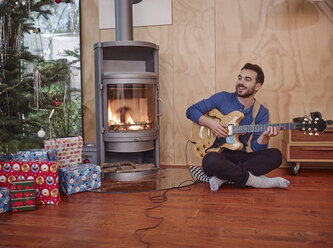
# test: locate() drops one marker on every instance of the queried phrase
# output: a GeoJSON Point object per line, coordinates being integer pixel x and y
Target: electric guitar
{"type": "Point", "coordinates": [206, 141]}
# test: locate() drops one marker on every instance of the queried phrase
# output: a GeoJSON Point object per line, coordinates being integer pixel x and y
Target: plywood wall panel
{"type": "Point", "coordinates": [162, 36]}
{"type": "Point", "coordinates": [90, 35]}
{"type": "Point", "coordinates": [194, 63]}
{"type": "Point", "coordinates": [107, 35]}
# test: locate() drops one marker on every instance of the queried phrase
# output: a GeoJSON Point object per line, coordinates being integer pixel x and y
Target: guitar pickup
{"type": "Point", "coordinates": [201, 132]}
{"type": "Point", "coordinates": [230, 129]}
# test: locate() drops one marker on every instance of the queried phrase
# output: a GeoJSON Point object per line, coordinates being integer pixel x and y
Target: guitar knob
{"type": "Point", "coordinates": [316, 133]}
{"type": "Point", "coordinates": [311, 133]}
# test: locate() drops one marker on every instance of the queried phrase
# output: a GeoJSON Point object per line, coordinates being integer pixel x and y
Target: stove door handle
{"type": "Point", "coordinates": [159, 103]}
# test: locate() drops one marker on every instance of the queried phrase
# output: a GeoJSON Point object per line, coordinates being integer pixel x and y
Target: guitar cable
{"type": "Point", "coordinates": [160, 198]}
{"type": "Point", "coordinates": [188, 167]}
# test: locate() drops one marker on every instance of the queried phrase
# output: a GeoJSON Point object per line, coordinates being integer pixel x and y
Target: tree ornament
{"type": "Point", "coordinates": [58, 1]}
{"type": "Point", "coordinates": [41, 133]}
{"type": "Point", "coordinates": [56, 103]}
{"type": "Point", "coordinates": [86, 161]}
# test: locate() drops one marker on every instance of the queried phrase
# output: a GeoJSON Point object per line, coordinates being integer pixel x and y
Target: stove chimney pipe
{"type": "Point", "coordinates": [124, 20]}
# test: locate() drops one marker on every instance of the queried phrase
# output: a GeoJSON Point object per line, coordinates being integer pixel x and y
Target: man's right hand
{"type": "Point", "coordinates": [219, 129]}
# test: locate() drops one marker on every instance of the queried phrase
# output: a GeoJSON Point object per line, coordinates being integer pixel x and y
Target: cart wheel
{"type": "Point", "coordinates": [294, 168]}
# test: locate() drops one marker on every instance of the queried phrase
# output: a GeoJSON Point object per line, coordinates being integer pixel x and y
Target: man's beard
{"type": "Point", "coordinates": [246, 93]}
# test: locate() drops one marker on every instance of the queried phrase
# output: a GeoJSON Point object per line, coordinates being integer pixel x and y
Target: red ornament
{"type": "Point", "coordinates": [56, 103]}
{"type": "Point", "coordinates": [58, 1]}
{"type": "Point", "coordinates": [86, 161]}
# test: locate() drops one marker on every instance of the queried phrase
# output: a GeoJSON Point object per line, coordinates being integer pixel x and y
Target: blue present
{"type": "Point", "coordinates": [33, 155]}
{"type": "Point", "coordinates": [79, 178]}
{"type": "Point", "coordinates": [5, 201]}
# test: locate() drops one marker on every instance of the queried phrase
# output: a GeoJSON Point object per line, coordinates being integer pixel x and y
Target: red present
{"type": "Point", "coordinates": [23, 195]}
{"type": "Point", "coordinates": [44, 174]}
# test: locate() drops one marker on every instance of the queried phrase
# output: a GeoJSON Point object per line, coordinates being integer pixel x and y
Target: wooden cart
{"type": "Point", "coordinates": [299, 147]}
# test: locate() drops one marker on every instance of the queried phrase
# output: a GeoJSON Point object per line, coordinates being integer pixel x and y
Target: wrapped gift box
{"type": "Point", "coordinates": [5, 202]}
{"type": "Point", "coordinates": [30, 156]}
{"type": "Point", "coordinates": [83, 177]}
{"type": "Point", "coordinates": [69, 150]}
{"type": "Point", "coordinates": [44, 173]}
{"type": "Point", "coordinates": [23, 195]}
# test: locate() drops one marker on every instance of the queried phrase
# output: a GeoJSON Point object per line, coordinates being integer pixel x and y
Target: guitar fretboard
{"type": "Point", "coordinates": [262, 127]}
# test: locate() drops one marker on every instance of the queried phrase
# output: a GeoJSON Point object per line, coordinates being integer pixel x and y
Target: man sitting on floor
{"type": "Point", "coordinates": [239, 166]}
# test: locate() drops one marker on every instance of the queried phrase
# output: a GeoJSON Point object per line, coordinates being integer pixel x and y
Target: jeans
{"type": "Point", "coordinates": [235, 166]}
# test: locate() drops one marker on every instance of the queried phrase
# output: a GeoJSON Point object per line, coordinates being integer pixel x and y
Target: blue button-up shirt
{"type": "Point", "coordinates": [227, 102]}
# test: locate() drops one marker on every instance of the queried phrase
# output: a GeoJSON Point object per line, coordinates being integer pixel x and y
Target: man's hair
{"type": "Point", "coordinates": [260, 74]}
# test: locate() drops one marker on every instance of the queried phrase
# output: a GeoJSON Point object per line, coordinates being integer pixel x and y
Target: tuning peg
{"type": "Point", "coordinates": [316, 115]}
{"type": "Point", "coordinates": [311, 133]}
{"type": "Point", "coordinates": [316, 133]}
{"type": "Point", "coordinates": [298, 119]}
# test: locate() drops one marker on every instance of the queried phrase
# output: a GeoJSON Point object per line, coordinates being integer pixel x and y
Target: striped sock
{"type": "Point", "coordinates": [198, 173]}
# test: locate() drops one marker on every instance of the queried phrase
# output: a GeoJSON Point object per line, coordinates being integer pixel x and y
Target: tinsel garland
{"type": "Point", "coordinates": [18, 39]}
{"type": "Point", "coordinates": [67, 85]}
{"type": "Point", "coordinates": [37, 85]}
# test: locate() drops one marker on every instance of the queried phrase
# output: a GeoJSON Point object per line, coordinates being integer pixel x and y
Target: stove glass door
{"type": "Point", "coordinates": [131, 107]}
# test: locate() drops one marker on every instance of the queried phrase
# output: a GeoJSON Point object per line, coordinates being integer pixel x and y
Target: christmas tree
{"type": "Point", "coordinates": [28, 96]}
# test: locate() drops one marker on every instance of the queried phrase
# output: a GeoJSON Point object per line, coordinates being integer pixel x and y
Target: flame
{"type": "Point", "coordinates": [114, 120]}
{"type": "Point", "coordinates": [130, 121]}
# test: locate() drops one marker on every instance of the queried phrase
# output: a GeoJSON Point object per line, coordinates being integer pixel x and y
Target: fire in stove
{"type": "Point", "coordinates": [122, 120]}
{"type": "Point", "coordinates": [128, 108]}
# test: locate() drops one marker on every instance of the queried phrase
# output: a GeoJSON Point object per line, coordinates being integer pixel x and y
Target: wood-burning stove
{"type": "Point", "coordinates": [127, 96]}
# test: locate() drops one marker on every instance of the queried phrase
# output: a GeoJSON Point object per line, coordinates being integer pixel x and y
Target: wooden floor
{"type": "Point", "coordinates": [300, 216]}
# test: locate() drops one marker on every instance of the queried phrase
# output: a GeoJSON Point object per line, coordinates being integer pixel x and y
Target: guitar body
{"type": "Point", "coordinates": [206, 141]}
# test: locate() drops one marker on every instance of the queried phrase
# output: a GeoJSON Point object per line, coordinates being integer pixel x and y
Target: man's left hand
{"type": "Point", "coordinates": [270, 132]}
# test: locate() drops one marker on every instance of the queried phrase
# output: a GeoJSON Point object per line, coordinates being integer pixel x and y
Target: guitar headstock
{"type": "Point", "coordinates": [312, 125]}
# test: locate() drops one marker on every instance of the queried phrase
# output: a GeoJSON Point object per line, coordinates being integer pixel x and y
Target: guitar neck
{"type": "Point", "coordinates": [262, 127]}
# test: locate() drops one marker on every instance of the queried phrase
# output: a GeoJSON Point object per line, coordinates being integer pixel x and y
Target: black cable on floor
{"type": "Point", "coordinates": [188, 167]}
{"type": "Point", "coordinates": [160, 198]}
